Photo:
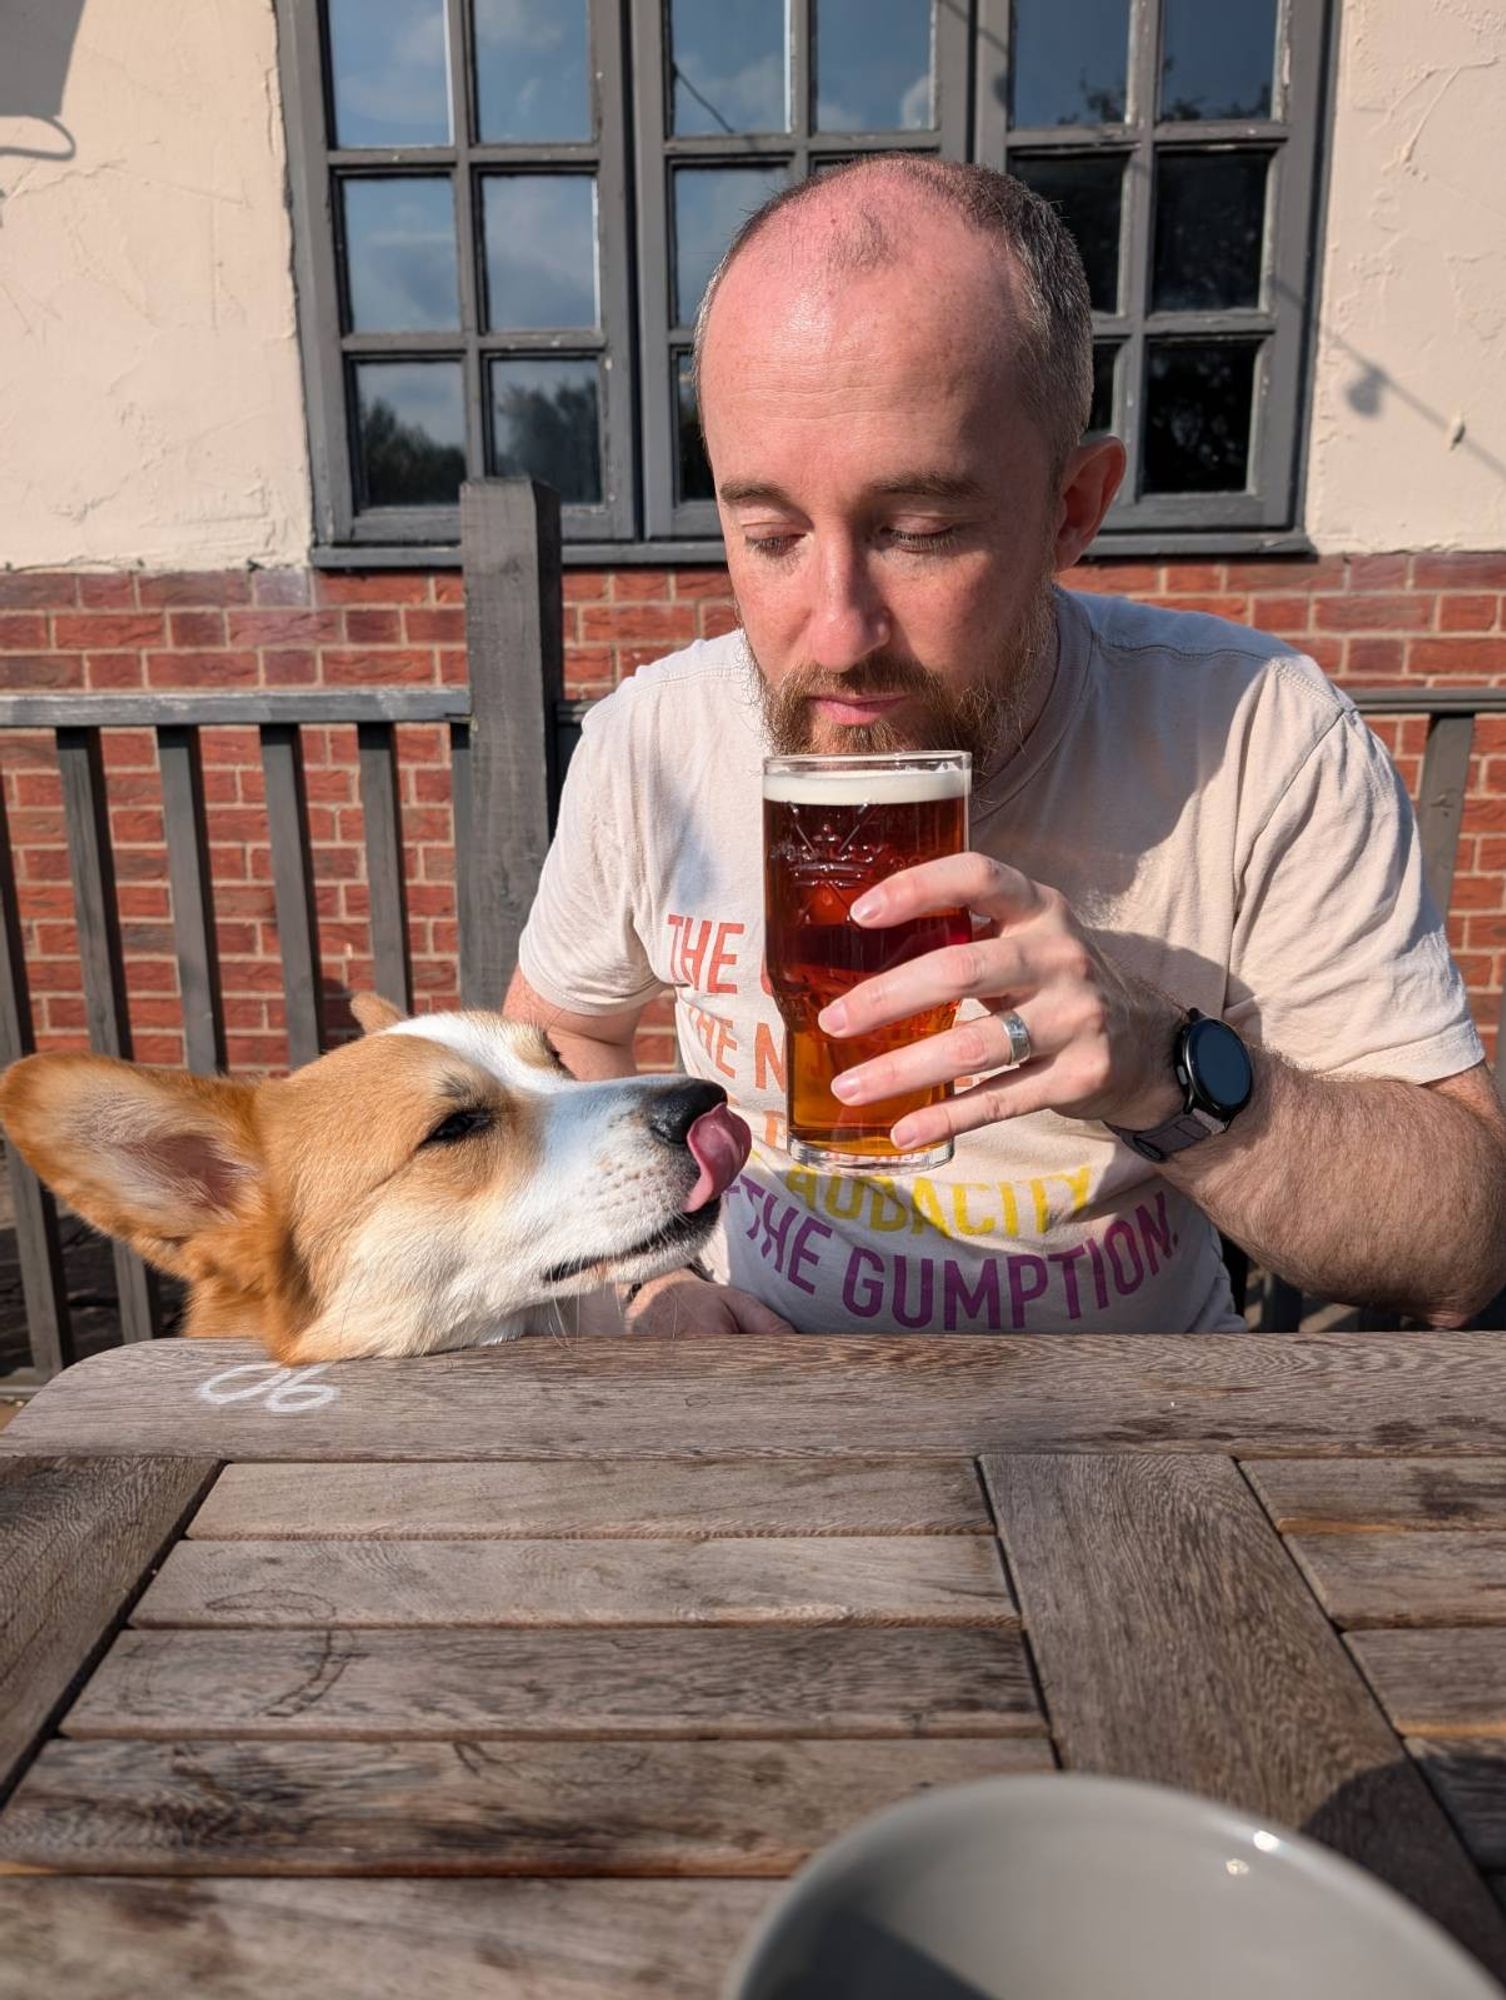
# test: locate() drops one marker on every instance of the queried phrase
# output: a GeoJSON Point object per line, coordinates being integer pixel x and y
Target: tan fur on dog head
{"type": "Point", "coordinates": [440, 1182]}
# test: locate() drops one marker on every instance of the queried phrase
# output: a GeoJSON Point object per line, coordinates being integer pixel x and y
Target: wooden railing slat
{"type": "Point", "coordinates": [193, 897]}
{"type": "Point", "coordinates": [43, 1286]}
{"type": "Point", "coordinates": [1440, 803]}
{"type": "Point", "coordinates": [510, 531]}
{"type": "Point", "coordinates": [381, 814]}
{"type": "Point", "coordinates": [293, 883]}
{"type": "Point", "coordinates": [237, 711]}
{"type": "Point", "coordinates": [92, 864]}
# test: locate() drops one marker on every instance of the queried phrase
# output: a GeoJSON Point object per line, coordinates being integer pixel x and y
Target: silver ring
{"type": "Point", "coordinates": [1021, 1048]}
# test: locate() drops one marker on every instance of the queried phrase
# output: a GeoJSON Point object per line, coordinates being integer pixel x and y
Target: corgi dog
{"type": "Point", "coordinates": [442, 1182]}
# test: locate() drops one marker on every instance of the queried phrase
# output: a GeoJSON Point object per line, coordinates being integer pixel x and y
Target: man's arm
{"type": "Point", "coordinates": [591, 1046]}
{"type": "Point", "coordinates": [1362, 1189]}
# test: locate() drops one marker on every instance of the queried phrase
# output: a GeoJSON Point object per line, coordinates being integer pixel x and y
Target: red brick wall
{"type": "Point", "coordinates": [1409, 618]}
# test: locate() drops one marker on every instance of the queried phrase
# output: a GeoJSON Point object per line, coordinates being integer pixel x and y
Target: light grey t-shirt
{"type": "Point", "coordinates": [1206, 801]}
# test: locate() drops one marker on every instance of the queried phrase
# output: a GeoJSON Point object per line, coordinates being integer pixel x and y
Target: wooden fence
{"type": "Point", "coordinates": [511, 733]}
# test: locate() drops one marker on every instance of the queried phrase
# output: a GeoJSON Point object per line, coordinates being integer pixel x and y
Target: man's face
{"type": "Point", "coordinates": [887, 504]}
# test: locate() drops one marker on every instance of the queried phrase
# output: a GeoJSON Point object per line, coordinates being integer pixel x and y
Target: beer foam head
{"type": "Point", "coordinates": [864, 781]}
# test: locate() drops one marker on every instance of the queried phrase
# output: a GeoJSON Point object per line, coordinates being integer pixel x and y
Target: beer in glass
{"type": "Point", "coordinates": [833, 827]}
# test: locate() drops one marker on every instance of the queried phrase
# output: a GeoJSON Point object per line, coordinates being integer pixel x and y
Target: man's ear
{"type": "Point", "coordinates": [373, 1013]}
{"type": "Point", "coordinates": [151, 1157]}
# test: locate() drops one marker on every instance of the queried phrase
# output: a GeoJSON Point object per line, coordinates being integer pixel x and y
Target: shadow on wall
{"type": "Point", "coordinates": [38, 38]}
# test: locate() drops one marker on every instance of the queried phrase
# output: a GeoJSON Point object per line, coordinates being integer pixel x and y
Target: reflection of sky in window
{"type": "Point", "coordinates": [711, 203]}
{"type": "Point", "coordinates": [425, 394]}
{"type": "Point", "coordinates": [1069, 62]}
{"type": "Point", "coordinates": [873, 65]}
{"type": "Point", "coordinates": [540, 249]}
{"type": "Point", "coordinates": [1217, 60]}
{"type": "Point", "coordinates": [390, 65]}
{"type": "Point", "coordinates": [729, 66]}
{"type": "Point", "coordinates": [531, 70]}
{"type": "Point", "coordinates": [400, 254]}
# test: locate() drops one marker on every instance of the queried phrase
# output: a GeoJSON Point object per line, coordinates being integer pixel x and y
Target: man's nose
{"type": "Point", "coordinates": [848, 619]}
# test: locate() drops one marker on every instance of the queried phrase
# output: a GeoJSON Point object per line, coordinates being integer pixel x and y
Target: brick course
{"type": "Point", "coordinates": [1409, 618]}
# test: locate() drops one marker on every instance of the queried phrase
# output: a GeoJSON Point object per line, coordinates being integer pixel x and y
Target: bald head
{"type": "Point", "coordinates": [979, 244]}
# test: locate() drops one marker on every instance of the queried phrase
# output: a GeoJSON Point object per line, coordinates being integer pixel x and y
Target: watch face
{"type": "Point", "coordinates": [1222, 1077]}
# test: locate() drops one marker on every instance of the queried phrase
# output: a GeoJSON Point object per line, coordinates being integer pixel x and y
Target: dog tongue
{"type": "Point", "coordinates": [719, 1144]}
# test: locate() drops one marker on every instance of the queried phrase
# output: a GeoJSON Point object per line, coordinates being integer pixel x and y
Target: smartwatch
{"type": "Point", "coordinates": [1217, 1078]}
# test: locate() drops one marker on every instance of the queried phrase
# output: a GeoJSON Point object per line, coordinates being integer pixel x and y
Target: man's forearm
{"type": "Point", "coordinates": [1364, 1190]}
{"type": "Point", "coordinates": [590, 1060]}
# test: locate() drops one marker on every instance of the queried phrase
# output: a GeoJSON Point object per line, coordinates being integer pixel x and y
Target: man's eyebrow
{"type": "Point", "coordinates": [905, 486]}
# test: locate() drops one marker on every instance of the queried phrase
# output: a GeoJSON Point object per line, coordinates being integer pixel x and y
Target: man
{"type": "Point", "coordinates": [1171, 816]}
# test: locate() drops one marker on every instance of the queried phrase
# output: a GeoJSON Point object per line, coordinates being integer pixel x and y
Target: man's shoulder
{"type": "Point", "coordinates": [1207, 671]}
{"type": "Point", "coordinates": [709, 678]}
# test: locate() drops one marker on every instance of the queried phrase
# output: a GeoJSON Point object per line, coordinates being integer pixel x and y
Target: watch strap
{"type": "Point", "coordinates": [1186, 1129]}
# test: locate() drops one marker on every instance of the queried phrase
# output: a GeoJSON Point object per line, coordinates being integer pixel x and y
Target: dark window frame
{"type": "Point", "coordinates": [317, 167]}
{"type": "Point", "coordinates": [641, 520]}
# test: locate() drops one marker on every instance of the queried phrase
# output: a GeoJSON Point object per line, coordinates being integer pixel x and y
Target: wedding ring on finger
{"type": "Point", "coordinates": [1021, 1048]}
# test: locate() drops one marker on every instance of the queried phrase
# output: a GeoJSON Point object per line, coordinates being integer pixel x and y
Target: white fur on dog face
{"type": "Point", "coordinates": [602, 1189]}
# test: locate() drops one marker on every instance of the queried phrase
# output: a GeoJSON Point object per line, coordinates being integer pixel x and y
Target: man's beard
{"type": "Point", "coordinates": [989, 717]}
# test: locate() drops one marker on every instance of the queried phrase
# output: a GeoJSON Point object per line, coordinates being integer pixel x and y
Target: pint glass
{"type": "Point", "coordinates": [833, 827]}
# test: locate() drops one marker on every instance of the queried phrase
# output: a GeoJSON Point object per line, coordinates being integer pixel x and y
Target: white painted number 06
{"type": "Point", "coordinates": [284, 1391]}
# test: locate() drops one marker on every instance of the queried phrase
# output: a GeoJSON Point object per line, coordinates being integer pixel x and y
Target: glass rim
{"type": "Point", "coordinates": [895, 760]}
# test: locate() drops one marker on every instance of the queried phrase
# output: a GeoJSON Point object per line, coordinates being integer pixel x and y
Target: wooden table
{"type": "Point", "coordinates": [526, 1672]}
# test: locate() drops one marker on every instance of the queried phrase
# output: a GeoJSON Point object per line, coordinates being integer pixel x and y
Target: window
{"type": "Point", "coordinates": [479, 293]}
{"type": "Point", "coordinates": [1179, 141]}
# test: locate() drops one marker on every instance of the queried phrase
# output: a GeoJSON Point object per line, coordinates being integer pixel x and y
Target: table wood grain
{"type": "Point", "coordinates": [530, 1672]}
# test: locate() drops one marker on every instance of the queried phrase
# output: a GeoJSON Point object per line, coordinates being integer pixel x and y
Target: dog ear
{"type": "Point", "coordinates": [373, 1013]}
{"type": "Point", "coordinates": [152, 1157]}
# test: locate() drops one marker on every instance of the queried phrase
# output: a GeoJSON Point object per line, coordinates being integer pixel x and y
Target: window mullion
{"type": "Point", "coordinates": [1134, 270]}
{"type": "Point", "coordinates": [802, 73]}
{"type": "Point", "coordinates": [457, 24]}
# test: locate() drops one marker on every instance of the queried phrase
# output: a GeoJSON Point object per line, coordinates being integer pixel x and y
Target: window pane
{"type": "Point", "coordinates": [873, 66]}
{"type": "Point", "coordinates": [540, 232]}
{"type": "Point", "coordinates": [411, 432]}
{"type": "Point", "coordinates": [1105, 362]}
{"type": "Point", "coordinates": [389, 72]}
{"type": "Point", "coordinates": [400, 254]}
{"type": "Point", "coordinates": [531, 70]}
{"type": "Point", "coordinates": [711, 204]}
{"type": "Point", "coordinates": [1087, 191]}
{"type": "Point", "coordinates": [728, 66]}
{"type": "Point", "coordinates": [1197, 416]}
{"type": "Point", "coordinates": [1210, 226]}
{"type": "Point", "coordinates": [1217, 59]}
{"type": "Point", "coordinates": [1068, 62]}
{"type": "Point", "coordinates": [694, 467]}
{"type": "Point", "coordinates": [545, 425]}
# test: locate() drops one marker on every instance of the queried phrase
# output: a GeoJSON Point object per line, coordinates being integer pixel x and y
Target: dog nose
{"type": "Point", "coordinates": [674, 1111]}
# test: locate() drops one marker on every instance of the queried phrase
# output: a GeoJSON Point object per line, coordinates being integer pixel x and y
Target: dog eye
{"type": "Point", "coordinates": [459, 1125]}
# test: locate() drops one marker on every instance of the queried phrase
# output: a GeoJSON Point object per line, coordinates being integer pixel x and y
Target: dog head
{"type": "Point", "coordinates": [443, 1181]}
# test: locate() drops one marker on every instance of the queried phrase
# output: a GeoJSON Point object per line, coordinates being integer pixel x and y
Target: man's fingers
{"type": "Point", "coordinates": [987, 967]}
{"type": "Point", "coordinates": [1037, 1086]}
{"type": "Point", "coordinates": [975, 1048]}
{"type": "Point", "coordinates": [955, 881]}
{"type": "Point", "coordinates": [751, 1315]}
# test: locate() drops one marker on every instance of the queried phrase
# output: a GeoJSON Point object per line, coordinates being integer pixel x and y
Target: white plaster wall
{"type": "Point", "coordinates": [151, 403]}
{"type": "Point", "coordinates": [1408, 434]}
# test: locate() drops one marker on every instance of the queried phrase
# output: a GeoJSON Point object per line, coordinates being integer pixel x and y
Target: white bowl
{"type": "Point", "coordinates": [1082, 1888]}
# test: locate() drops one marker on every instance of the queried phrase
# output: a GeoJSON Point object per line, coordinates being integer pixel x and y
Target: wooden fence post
{"type": "Point", "coordinates": [514, 619]}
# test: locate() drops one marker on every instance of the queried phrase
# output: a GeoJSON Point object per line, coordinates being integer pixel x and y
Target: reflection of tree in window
{"type": "Point", "coordinates": [553, 436]}
{"type": "Point", "coordinates": [404, 465]}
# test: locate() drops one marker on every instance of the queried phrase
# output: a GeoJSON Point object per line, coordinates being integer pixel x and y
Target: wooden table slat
{"type": "Point", "coordinates": [1442, 1682]}
{"type": "Point", "coordinates": [1451, 1577]}
{"type": "Point", "coordinates": [1469, 1775]}
{"type": "Point", "coordinates": [907, 1580]}
{"type": "Point", "coordinates": [1312, 1496]}
{"type": "Point", "coordinates": [738, 1682]}
{"type": "Point", "coordinates": [787, 1398]}
{"type": "Point", "coordinates": [1226, 1677]}
{"type": "Point", "coordinates": [465, 1808]}
{"type": "Point", "coordinates": [103, 1939]}
{"type": "Point", "coordinates": [640, 1499]}
{"type": "Point", "coordinates": [76, 1537]}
